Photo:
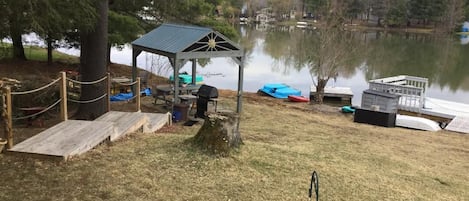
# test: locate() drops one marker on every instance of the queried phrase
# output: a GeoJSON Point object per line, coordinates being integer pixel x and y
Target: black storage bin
{"type": "Point", "coordinates": [378, 118]}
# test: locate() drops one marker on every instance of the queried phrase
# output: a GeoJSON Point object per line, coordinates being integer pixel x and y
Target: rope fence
{"type": "Point", "coordinates": [7, 94]}
{"type": "Point", "coordinates": [38, 113]}
{"type": "Point", "coordinates": [36, 90]}
{"type": "Point", "coordinates": [128, 84]}
{"type": "Point", "coordinates": [136, 91]}
{"type": "Point", "coordinates": [89, 82]}
{"type": "Point", "coordinates": [88, 101]}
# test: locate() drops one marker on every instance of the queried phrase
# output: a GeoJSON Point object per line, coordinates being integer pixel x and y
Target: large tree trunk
{"type": "Point", "coordinates": [108, 55]}
{"type": "Point", "coordinates": [320, 90]}
{"type": "Point", "coordinates": [15, 33]}
{"type": "Point", "coordinates": [93, 64]}
{"type": "Point", "coordinates": [49, 50]}
{"type": "Point", "coordinates": [219, 134]}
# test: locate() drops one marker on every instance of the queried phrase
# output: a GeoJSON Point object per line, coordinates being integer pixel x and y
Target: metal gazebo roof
{"type": "Point", "coordinates": [187, 42]}
{"type": "Point", "coordinates": [182, 43]}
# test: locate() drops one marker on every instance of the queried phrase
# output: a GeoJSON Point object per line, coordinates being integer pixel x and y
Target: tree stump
{"type": "Point", "coordinates": [219, 134]}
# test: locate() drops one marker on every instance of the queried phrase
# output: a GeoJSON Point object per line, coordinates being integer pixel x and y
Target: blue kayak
{"type": "Point", "coordinates": [279, 90]}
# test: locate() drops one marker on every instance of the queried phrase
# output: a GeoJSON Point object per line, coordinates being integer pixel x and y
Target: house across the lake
{"type": "Point", "coordinates": [265, 16]}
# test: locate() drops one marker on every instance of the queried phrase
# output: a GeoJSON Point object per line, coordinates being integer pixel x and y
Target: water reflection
{"type": "Point", "coordinates": [464, 39]}
{"type": "Point", "coordinates": [279, 54]}
{"type": "Point", "coordinates": [377, 54]}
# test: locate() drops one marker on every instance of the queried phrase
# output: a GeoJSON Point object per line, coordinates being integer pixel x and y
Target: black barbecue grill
{"type": "Point", "coordinates": [205, 94]}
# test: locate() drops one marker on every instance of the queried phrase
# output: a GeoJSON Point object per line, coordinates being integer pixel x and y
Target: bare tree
{"type": "Point", "coordinates": [453, 15]}
{"type": "Point", "coordinates": [159, 65]}
{"type": "Point", "coordinates": [333, 48]}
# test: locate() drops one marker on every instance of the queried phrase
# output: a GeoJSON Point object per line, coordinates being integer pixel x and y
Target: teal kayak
{"type": "Point", "coordinates": [348, 109]}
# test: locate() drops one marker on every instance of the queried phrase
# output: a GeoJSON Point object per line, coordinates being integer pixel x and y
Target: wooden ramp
{"type": "Point", "coordinates": [68, 138]}
{"type": "Point", "coordinates": [459, 124]}
{"type": "Point", "coordinates": [129, 122]}
{"type": "Point", "coordinates": [74, 137]}
{"type": "Point", "coordinates": [155, 121]}
{"type": "Point", "coordinates": [124, 122]}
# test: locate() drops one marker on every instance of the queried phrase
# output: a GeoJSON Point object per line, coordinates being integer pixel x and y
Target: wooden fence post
{"type": "Point", "coordinates": [7, 116]}
{"type": "Point", "coordinates": [63, 97]}
{"type": "Point", "coordinates": [137, 93]}
{"type": "Point", "coordinates": [108, 97]}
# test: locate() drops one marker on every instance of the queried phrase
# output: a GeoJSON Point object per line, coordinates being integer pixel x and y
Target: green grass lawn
{"type": "Point", "coordinates": [282, 147]}
{"type": "Point", "coordinates": [37, 54]}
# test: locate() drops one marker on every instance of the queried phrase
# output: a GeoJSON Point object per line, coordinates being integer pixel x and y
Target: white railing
{"type": "Point", "coordinates": [410, 88]}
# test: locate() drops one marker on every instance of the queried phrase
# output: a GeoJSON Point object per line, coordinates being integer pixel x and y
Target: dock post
{"type": "Point", "coordinates": [137, 93]}
{"type": "Point", "coordinates": [108, 97]}
{"type": "Point", "coordinates": [7, 116]}
{"type": "Point", "coordinates": [63, 97]}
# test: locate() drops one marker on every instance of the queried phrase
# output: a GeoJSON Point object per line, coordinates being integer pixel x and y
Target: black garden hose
{"type": "Point", "coordinates": [315, 181]}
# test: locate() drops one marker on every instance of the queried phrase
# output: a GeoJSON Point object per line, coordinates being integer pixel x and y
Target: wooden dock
{"type": "Point", "coordinates": [444, 108]}
{"type": "Point", "coordinates": [459, 124]}
{"type": "Point", "coordinates": [343, 94]}
{"type": "Point", "coordinates": [435, 109]}
{"type": "Point", "coordinates": [74, 137]}
{"type": "Point", "coordinates": [413, 101]}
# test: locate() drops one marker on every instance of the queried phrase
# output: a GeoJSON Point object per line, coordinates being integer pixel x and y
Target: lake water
{"type": "Point", "coordinates": [271, 54]}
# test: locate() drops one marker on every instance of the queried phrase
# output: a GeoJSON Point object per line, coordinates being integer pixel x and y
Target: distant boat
{"type": "Point", "coordinates": [301, 24]}
{"type": "Point", "coordinates": [465, 27]}
{"type": "Point", "coordinates": [294, 98]}
{"type": "Point", "coordinates": [279, 90]}
{"type": "Point", "coordinates": [243, 20]}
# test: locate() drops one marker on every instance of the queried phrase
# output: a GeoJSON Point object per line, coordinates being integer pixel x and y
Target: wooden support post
{"type": "Point", "coordinates": [63, 97]}
{"type": "Point", "coordinates": [7, 116]}
{"type": "Point", "coordinates": [137, 93]}
{"type": "Point", "coordinates": [108, 97]}
{"type": "Point", "coordinates": [194, 70]}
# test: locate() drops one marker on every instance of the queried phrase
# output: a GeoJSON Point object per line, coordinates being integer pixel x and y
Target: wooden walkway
{"type": "Point", "coordinates": [444, 108]}
{"type": "Point", "coordinates": [74, 137]}
{"type": "Point", "coordinates": [124, 122]}
{"type": "Point", "coordinates": [341, 93]}
{"type": "Point", "coordinates": [459, 124]}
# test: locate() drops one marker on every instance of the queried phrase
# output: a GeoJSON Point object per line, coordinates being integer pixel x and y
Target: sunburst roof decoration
{"type": "Point", "coordinates": [211, 42]}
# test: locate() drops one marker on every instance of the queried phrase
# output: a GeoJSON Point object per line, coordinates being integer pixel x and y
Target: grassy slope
{"type": "Point", "coordinates": [39, 54]}
{"type": "Point", "coordinates": [282, 147]}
